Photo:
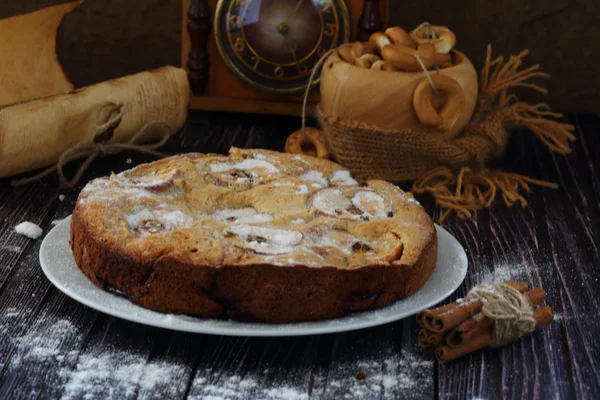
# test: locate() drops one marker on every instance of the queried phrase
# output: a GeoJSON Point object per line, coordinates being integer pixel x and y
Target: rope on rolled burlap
{"type": "Point", "coordinates": [108, 118]}
{"type": "Point", "coordinates": [507, 308]}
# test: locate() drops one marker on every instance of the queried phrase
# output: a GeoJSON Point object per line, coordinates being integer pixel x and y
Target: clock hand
{"type": "Point", "coordinates": [290, 45]}
{"type": "Point", "coordinates": [291, 48]}
{"type": "Point", "coordinates": [284, 26]}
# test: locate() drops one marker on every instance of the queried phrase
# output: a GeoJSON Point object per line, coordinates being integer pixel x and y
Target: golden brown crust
{"type": "Point", "coordinates": [175, 282]}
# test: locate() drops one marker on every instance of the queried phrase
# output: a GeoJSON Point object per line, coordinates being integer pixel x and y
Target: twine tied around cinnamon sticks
{"type": "Point", "coordinates": [108, 118]}
{"type": "Point", "coordinates": [507, 308]}
{"type": "Point", "coordinates": [491, 315]}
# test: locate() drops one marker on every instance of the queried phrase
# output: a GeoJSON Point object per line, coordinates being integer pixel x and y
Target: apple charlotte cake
{"type": "Point", "coordinates": [256, 235]}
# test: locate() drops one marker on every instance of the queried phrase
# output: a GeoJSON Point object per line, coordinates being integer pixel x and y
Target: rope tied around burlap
{"type": "Point", "coordinates": [108, 117]}
{"type": "Point", "coordinates": [507, 308]}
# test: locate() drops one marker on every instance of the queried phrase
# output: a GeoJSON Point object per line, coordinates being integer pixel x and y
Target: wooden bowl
{"type": "Point", "coordinates": [384, 99]}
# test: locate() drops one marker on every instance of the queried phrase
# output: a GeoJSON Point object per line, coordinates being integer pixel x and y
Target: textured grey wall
{"type": "Point", "coordinates": [104, 39]}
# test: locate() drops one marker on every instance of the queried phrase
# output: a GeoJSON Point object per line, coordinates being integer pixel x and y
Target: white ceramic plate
{"type": "Point", "coordinates": [60, 267]}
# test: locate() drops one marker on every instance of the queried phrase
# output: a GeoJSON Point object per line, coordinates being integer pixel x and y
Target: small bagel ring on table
{"type": "Point", "coordinates": [452, 110]}
{"type": "Point", "coordinates": [441, 37]}
{"type": "Point", "coordinates": [314, 145]}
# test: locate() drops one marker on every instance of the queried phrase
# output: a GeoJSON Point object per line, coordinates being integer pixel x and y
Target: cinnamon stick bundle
{"type": "Point", "coordinates": [461, 327]}
{"type": "Point", "coordinates": [447, 317]}
{"type": "Point", "coordinates": [543, 316]}
{"type": "Point", "coordinates": [479, 324]}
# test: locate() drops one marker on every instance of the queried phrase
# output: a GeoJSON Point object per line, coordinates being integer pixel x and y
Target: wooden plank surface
{"type": "Point", "coordinates": [54, 347]}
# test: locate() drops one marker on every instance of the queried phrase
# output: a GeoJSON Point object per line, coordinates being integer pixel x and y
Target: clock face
{"type": "Point", "coordinates": [274, 44]}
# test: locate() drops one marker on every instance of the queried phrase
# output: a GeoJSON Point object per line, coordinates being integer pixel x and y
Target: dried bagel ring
{"type": "Point", "coordinates": [405, 58]}
{"type": "Point", "coordinates": [366, 60]}
{"type": "Point", "coordinates": [399, 36]}
{"type": "Point", "coordinates": [379, 40]}
{"type": "Point", "coordinates": [441, 37]}
{"type": "Point", "coordinates": [314, 145]}
{"type": "Point", "coordinates": [345, 53]}
{"type": "Point", "coordinates": [442, 60]}
{"type": "Point", "coordinates": [452, 110]}
{"type": "Point", "coordinates": [426, 51]}
{"type": "Point", "coordinates": [382, 65]}
{"type": "Point", "coordinates": [361, 48]}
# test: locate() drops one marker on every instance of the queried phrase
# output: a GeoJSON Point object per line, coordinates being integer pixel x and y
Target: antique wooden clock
{"type": "Point", "coordinates": [257, 55]}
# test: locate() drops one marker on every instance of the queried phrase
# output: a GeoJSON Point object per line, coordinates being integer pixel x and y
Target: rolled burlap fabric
{"type": "Point", "coordinates": [36, 133]}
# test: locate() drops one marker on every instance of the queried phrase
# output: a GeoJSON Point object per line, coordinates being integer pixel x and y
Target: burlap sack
{"type": "Point", "coordinates": [454, 169]}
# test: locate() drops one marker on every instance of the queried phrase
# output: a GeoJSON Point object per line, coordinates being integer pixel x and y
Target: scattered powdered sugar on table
{"type": "Point", "coordinates": [113, 372]}
{"type": "Point", "coordinates": [384, 377]}
{"type": "Point", "coordinates": [29, 229]}
{"type": "Point", "coordinates": [122, 373]}
{"type": "Point", "coordinates": [13, 249]}
{"type": "Point", "coordinates": [10, 312]}
{"type": "Point", "coordinates": [215, 386]}
{"type": "Point", "coordinates": [558, 316]}
{"type": "Point", "coordinates": [35, 346]}
{"type": "Point", "coordinates": [501, 273]}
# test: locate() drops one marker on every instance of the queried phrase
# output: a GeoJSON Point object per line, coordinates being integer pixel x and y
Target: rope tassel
{"type": "Point", "coordinates": [470, 190]}
{"type": "Point", "coordinates": [464, 190]}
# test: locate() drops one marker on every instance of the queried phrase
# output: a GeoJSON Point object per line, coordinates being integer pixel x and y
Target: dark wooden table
{"type": "Point", "coordinates": [52, 346]}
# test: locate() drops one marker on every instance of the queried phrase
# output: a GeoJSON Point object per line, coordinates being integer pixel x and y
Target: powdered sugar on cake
{"type": "Point", "coordinates": [252, 218]}
{"type": "Point", "coordinates": [371, 203]}
{"type": "Point", "coordinates": [242, 215]}
{"type": "Point", "coordinates": [247, 164]}
{"type": "Point", "coordinates": [342, 178]}
{"type": "Point", "coordinates": [266, 240]}
{"type": "Point", "coordinates": [151, 221]}
{"type": "Point", "coordinates": [315, 177]}
{"type": "Point", "coordinates": [302, 189]}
